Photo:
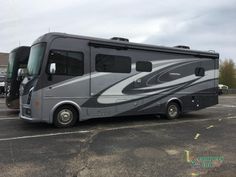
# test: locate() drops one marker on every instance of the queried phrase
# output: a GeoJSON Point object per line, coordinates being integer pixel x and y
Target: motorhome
{"type": "Point", "coordinates": [74, 78]}
{"type": "Point", "coordinates": [18, 58]}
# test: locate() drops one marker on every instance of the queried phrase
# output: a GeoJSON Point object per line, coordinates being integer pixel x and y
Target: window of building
{"type": "Point", "coordinates": [67, 63]}
{"type": "Point", "coordinates": [113, 63]}
{"type": "Point", "coordinates": [144, 66]}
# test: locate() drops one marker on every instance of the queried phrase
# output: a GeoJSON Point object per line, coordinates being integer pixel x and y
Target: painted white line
{"type": "Point", "coordinates": [44, 135]}
{"type": "Point", "coordinates": [228, 97]}
{"type": "Point", "coordinates": [9, 118]}
{"type": "Point", "coordinates": [165, 123]}
{"type": "Point", "coordinates": [227, 105]}
{"type": "Point", "coordinates": [110, 129]}
{"type": "Point", "coordinates": [214, 107]}
{"type": "Point", "coordinates": [9, 110]}
{"type": "Point", "coordinates": [232, 117]}
{"type": "Point", "coordinates": [197, 136]}
{"type": "Point", "coordinates": [211, 126]}
{"type": "Point", "coordinates": [220, 106]}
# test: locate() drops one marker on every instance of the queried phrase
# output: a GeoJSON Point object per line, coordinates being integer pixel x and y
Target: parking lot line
{"type": "Point", "coordinates": [222, 106]}
{"type": "Point", "coordinates": [44, 135]}
{"type": "Point", "coordinates": [9, 118]}
{"type": "Point", "coordinates": [167, 123]}
{"type": "Point", "coordinates": [232, 117]}
{"type": "Point", "coordinates": [227, 105]}
{"type": "Point", "coordinates": [229, 96]}
{"type": "Point", "coordinates": [109, 129]}
{"type": "Point", "coordinates": [7, 109]}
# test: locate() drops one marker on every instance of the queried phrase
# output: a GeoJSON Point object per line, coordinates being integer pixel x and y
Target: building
{"type": "Point", "coordinates": [3, 63]}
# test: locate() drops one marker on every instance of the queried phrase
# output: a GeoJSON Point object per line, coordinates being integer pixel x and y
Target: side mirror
{"type": "Point", "coordinates": [21, 73]}
{"type": "Point", "coordinates": [52, 69]}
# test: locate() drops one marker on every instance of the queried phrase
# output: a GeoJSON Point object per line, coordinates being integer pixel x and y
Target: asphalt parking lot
{"type": "Point", "coordinates": [201, 143]}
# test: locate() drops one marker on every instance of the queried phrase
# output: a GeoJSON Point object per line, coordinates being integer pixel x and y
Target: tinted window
{"type": "Point", "coordinates": [67, 63]}
{"type": "Point", "coordinates": [35, 58]}
{"type": "Point", "coordinates": [144, 66]}
{"type": "Point", "coordinates": [10, 66]}
{"type": "Point", "coordinates": [113, 63]}
{"type": "Point", "coordinates": [200, 71]}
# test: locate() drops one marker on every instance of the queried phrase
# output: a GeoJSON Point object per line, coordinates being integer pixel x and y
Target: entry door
{"type": "Point", "coordinates": [109, 67]}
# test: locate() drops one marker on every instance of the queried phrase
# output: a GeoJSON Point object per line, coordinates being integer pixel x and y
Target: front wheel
{"type": "Point", "coordinates": [65, 116]}
{"type": "Point", "coordinates": [172, 110]}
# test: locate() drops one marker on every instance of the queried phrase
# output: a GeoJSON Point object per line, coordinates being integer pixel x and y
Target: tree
{"type": "Point", "coordinates": [228, 73]}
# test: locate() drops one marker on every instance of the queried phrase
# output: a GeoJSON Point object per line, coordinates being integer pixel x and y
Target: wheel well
{"type": "Point", "coordinates": [67, 104]}
{"type": "Point", "coordinates": [177, 102]}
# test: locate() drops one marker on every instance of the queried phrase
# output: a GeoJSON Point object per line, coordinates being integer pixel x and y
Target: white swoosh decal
{"type": "Point", "coordinates": [117, 89]}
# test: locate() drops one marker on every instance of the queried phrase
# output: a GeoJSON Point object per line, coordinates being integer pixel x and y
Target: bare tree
{"type": "Point", "coordinates": [228, 73]}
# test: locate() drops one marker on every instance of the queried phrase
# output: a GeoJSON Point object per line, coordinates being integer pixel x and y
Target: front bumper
{"type": "Point", "coordinates": [29, 119]}
{"type": "Point", "coordinates": [26, 114]}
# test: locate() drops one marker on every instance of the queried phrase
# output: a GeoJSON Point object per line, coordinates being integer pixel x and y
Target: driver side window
{"type": "Point", "coordinates": [67, 63]}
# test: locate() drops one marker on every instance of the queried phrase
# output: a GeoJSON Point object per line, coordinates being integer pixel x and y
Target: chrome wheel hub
{"type": "Point", "coordinates": [65, 116]}
{"type": "Point", "coordinates": [173, 111]}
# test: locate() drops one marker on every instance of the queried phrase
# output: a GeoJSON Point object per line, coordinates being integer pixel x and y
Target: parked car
{"type": "Point", "coordinates": [2, 87]}
{"type": "Point", "coordinates": [222, 89]}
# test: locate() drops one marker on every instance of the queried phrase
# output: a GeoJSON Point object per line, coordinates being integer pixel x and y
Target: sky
{"type": "Point", "coordinates": [202, 25]}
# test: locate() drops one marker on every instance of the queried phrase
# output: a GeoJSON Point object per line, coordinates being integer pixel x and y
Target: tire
{"type": "Point", "coordinates": [173, 111]}
{"type": "Point", "coordinates": [65, 116]}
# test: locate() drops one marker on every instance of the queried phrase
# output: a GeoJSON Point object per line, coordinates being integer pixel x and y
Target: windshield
{"type": "Point", "coordinates": [10, 64]}
{"type": "Point", "coordinates": [35, 59]}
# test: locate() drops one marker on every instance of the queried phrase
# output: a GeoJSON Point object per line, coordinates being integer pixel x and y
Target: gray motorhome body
{"type": "Point", "coordinates": [74, 78]}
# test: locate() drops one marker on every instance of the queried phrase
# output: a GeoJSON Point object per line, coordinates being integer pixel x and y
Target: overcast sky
{"type": "Point", "coordinates": [202, 24]}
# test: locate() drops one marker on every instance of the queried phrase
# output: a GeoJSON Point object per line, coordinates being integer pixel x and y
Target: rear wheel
{"type": "Point", "coordinates": [65, 116]}
{"type": "Point", "coordinates": [173, 110]}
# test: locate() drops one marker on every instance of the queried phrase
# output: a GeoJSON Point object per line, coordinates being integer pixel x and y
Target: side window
{"type": "Point", "coordinates": [67, 63]}
{"type": "Point", "coordinates": [199, 71]}
{"type": "Point", "coordinates": [58, 57]}
{"type": "Point", "coordinates": [113, 63]}
{"type": "Point", "coordinates": [143, 66]}
{"type": "Point", "coordinates": [75, 64]}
